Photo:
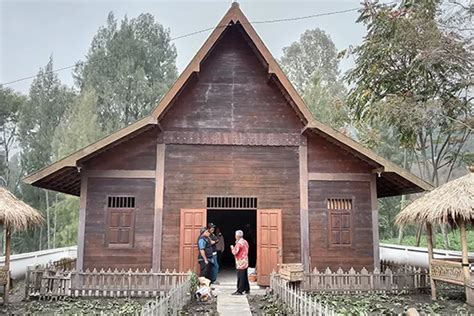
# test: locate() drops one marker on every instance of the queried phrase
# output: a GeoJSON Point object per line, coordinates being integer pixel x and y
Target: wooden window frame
{"type": "Point", "coordinates": [349, 212]}
{"type": "Point", "coordinates": [108, 211]}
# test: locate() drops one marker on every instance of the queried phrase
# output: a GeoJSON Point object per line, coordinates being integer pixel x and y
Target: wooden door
{"type": "Point", "coordinates": [269, 244]}
{"type": "Point", "coordinates": [191, 221]}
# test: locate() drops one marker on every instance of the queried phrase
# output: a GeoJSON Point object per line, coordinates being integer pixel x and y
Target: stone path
{"type": "Point", "coordinates": [228, 304]}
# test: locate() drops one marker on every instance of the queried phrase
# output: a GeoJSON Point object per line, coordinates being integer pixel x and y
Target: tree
{"type": "Point", "coordinates": [10, 102]}
{"type": "Point", "coordinates": [130, 67]}
{"type": "Point", "coordinates": [414, 76]}
{"type": "Point", "coordinates": [78, 127]}
{"type": "Point", "coordinates": [312, 65]}
{"type": "Point", "coordinates": [38, 119]}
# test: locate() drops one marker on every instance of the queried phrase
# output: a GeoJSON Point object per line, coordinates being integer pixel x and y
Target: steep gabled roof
{"type": "Point", "coordinates": [66, 171]}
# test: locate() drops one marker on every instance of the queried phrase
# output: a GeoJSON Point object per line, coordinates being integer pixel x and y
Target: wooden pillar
{"type": "Point", "coordinates": [82, 223]}
{"type": "Point", "coordinates": [429, 238]}
{"type": "Point", "coordinates": [7, 260]}
{"type": "Point", "coordinates": [465, 260]}
{"type": "Point", "coordinates": [304, 217]}
{"type": "Point", "coordinates": [158, 219]}
{"type": "Point", "coordinates": [375, 220]}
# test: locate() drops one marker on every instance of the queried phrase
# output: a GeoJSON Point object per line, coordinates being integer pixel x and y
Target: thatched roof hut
{"type": "Point", "coordinates": [16, 213]}
{"type": "Point", "coordinates": [447, 204]}
{"type": "Point", "coordinates": [451, 203]}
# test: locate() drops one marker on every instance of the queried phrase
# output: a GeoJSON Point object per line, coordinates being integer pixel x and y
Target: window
{"type": "Point", "coordinates": [120, 221]}
{"type": "Point", "coordinates": [231, 202]}
{"type": "Point", "coordinates": [340, 226]}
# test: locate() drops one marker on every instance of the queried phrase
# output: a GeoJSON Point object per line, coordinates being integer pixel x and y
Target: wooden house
{"type": "Point", "coordinates": [231, 143]}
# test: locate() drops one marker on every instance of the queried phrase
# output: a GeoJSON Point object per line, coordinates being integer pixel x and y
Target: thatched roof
{"type": "Point", "coordinates": [447, 204]}
{"type": "Point", "coordinates": [17, 213]}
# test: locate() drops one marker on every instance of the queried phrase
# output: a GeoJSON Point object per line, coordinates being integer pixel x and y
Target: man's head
{"type": "Point", "coordinates": [238, 234]}
{"type": "Point", "coordinates": [211, 227]}
{"type": "Point", "coordinates": [204, 232]}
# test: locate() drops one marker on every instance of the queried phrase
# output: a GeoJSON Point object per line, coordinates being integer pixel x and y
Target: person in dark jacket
{"type": "Point", "coordinates": [214, 241]}
{"type": "Point", "coordinates": [205, 257]}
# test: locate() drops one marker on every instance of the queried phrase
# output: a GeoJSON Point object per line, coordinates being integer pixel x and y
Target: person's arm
{"type": "Point", "coordinates": [235, 249]}
{"type": "Point", "coordinates": [203, 254]}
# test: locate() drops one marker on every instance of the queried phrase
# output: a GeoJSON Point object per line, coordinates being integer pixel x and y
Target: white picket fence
{"type": "Point", "coordinates": [170, 303]}
{"type": "Point", "coordinates": [296, 301]}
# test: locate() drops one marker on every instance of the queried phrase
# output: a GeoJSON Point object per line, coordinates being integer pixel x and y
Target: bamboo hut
{"type": "Point", "coordinates": [14, 215]}
{"type": "Point", "coordinates": [450, 204]}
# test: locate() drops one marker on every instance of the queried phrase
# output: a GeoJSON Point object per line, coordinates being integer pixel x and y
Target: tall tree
{"type": "Point", "coordinates": [10, 103]}
{"type": "Point", "coordinates": [39, 117]}
{"type": "Point", "coordinates": [415, 77]}
{"type": "Point", "coordinates": [79, 125]}
{"type": "Point", "coordinates": [130, 66]}
{"type": "Point", "coordinates": [312, 65]}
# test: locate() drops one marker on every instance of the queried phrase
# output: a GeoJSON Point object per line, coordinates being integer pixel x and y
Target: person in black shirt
{"type": "Point", "coordinates": [214, 240]}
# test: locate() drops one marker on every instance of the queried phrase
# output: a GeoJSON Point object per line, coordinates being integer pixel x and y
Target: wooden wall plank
{"type": "Point", "coordinates": [360, 253]}
{"type": "Point", "coordinates": [120, 173]}
{"type": "Point", "coordinates": [96, 253]}
{"type": "Point", "coordinates": [194, 172]}
{"type": "Point", "coordinates": [327, 176]}
{"type": "Point", "coordinates": [158, 218]}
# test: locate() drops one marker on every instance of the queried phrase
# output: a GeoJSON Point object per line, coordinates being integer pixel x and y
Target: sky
{"type": "Point", "coordinates": [32, 30]}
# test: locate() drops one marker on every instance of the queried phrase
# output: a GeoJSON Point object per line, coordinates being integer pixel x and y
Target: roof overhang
{"type": "Point", "coordinates": [391, 179]}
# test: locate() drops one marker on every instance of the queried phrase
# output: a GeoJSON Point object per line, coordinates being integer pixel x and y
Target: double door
{"type": "Point", "coordinates": [269, 241]}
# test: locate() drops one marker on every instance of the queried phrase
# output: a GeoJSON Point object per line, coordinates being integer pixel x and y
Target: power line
{"type": "Point", "coordinates": [205, 30]}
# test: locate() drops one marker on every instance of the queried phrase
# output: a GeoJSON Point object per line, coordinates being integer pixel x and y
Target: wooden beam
{"type": "Point", "coordinates": [82, 223]}
{"type": "Point", "coordinates": [8, 234]}
{"type": "Point", "coordinates": [429, 237]}
{"type": "Point", "coordinates": [375, 220]}
{"type": "Point", "coordinates": [304, 217]}
{"type": "Point", "coordinates": [323, 176]}
{"type": "Point", "coordinates": [158, 219]}
{"type": "Point", "coordinates": [101, 144]}
{"type": "Point", "coordinates": [139, 174]}
{"type": "Point", "coordinates": [465, 260]}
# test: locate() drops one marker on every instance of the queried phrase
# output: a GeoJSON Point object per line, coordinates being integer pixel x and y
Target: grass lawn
{"type": "Point", "coordinates": [454, 239]}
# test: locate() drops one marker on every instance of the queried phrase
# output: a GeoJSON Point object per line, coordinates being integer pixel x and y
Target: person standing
{"type": "Point", "coordinates": [220, 246]}
{"type": "Point", "coordinates": [214, 263]}
{"type": "Point", "coordinates": [240, 252]}
{"type": "Point", "coordinates": [204, 253]}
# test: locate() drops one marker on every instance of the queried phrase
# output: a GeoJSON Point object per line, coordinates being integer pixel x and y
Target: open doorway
{"type": "Point", "coordinates": [229, 221]}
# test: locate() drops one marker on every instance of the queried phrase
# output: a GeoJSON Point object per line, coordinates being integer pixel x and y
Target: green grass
{"type": "Point", "coordinates": [454, 240]}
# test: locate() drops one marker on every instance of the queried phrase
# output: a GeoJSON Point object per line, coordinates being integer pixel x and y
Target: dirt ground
{"type": "Point", "coordinates": [451, 301]}
{"type": "Point", "coordinates": [201, 309]}
{"type": "Point", "coordinates": [265, 305]}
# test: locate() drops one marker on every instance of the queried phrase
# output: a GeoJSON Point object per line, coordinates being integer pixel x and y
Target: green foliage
{"type": "Point", "coordinates": [454, 240]}
{"type": "Point", "coordinates": [66, 213]}
{"type": "Point", "coordinates": [387, 304]}
{"type": "Point", "coordinates": [79, 125]}
{"type": "Point", "coordinates": [413, 76]}
{"type": "Point", "coordinates": [312, 66]}
{"type": "Point", "coordinates": [10, 103]}
{"type": "Point", "coordinates": [130, 66]}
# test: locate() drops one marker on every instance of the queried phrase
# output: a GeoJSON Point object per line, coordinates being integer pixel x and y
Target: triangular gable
{"type": "Point", "coordinates": [234, 15]}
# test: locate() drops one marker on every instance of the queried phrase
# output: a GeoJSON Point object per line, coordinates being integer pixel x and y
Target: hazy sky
{"type": "Point", "coordinates": [30, 31]}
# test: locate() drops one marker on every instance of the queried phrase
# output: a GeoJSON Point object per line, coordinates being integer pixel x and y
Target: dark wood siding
{"type": "Point", "coordinates": [359, 253]}
{"type": "Point", "coordinates": [232, 93]}
{"type": "Point", "coordinates": [324, 156]}
{"type": "Point", "coordinates": [194, 172]}
{"type": "Point", "coordinates": [137, 153]}
{"type": "Point", "coordinates": [97, 255]}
